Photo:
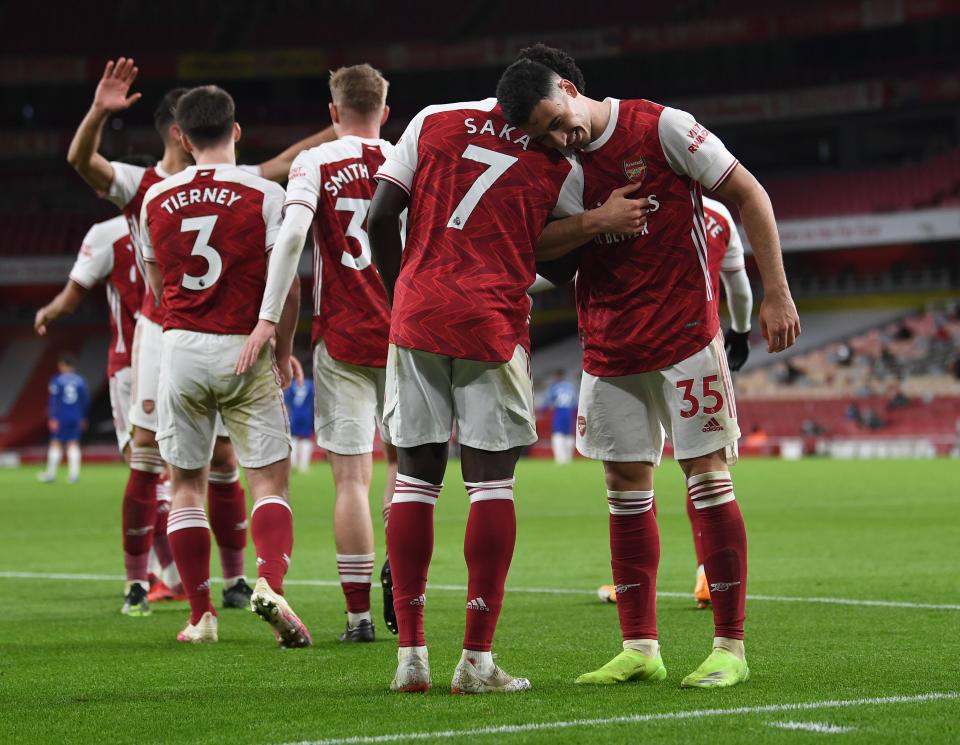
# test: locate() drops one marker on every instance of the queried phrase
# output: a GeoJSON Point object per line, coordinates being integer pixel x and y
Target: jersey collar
{"type": "Point", "coordinates": [611, 125]}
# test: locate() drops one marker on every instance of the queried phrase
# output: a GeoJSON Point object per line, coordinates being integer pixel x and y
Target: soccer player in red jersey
{"type": "Point", "coordinates": [653, 355]}
{"type": "Point", "coordinates": [206, 234]}
{"type": "Point", "coordinates": [125, 186]}
{"type": "Point", "coordinates": [331, 187]}
{"type": "Point", "coordinates": [106, 255]}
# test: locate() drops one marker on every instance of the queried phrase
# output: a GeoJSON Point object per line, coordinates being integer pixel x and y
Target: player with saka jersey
{"type": "Point", "coordinates": [206, 234]}
{"type": "Point", "coordinates": [331, 186]}
{"type": "Point", "coordinates": [125, 186]}
{"type": "Point", "coordinates": [653, 357]}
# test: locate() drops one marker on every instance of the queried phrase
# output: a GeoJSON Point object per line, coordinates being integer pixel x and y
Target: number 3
{"type": "Point", "coordinates": [686, 387]}
{"type": "Point", "coordinates": [201, 247]}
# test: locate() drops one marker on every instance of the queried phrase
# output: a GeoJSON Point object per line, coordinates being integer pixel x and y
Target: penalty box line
{"type": "Point", "coordinates": [529, 590]}
{"type": "Point", "coordinates": [508, 729]}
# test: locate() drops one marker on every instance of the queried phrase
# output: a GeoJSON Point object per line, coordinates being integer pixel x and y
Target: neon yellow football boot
{"type": "Point", "coordinates": [628, 665]}
{"type": "Point", "coordinates": [721, 669]}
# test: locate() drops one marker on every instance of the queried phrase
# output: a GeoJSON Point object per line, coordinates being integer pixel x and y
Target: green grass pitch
{"type": "Point", "coordinates": [73, 670]}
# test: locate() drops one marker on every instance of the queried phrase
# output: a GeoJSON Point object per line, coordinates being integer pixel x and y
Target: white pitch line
{"type": "Point", "coordinates": [509, 729]}
{"type": "Point", "coordinates": [527, 590]}
{"type": "Point", "coordinates": [823, 729]}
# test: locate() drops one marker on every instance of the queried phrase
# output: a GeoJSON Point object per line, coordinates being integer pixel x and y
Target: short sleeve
{"type": "Point", "coordinates": [570, 200]}
{"type": "Point", "coordinates": [692, 150]}
{"type": "Point", "coordinates": [401, 164]}
{"type": "Point", "coordinates": [95, 259]}
{"type": "Point", "coordinates": [303, 182]}
{"type": "Point", "coordinates": [253, 170]}
{"type": "Point", "coordinates": [126, 181]}
{"type": "Point", "coordinates": [273, 212]}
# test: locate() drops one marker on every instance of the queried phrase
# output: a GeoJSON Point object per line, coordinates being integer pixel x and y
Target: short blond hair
{"type": "Point", "coordinates": [360, 88]}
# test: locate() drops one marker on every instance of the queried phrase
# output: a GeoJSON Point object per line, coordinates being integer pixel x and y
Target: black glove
{"type": "Point", "coordinates": [738, 348]}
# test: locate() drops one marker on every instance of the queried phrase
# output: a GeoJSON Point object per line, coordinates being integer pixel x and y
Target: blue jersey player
{"type": "Point", "coordinates": [67, 418]}
{"type": "Point", "coordinates": [562, 402]}
{"type": "Point", "coordinates": [299, 398]}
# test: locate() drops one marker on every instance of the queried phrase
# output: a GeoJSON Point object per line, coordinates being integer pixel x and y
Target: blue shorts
{"type": "Point", "coordinates": [301, 428]}
{"type": "Point", "coordinates": [68, 430]}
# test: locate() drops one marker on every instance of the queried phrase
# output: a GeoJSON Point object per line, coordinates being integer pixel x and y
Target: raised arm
{"type": "Point", "coordinates": [383, 228]}
{"type": "Point", "coordinates": [111, 96]}
{"type": "Point", "coordinates": [779, 321]}
{"type": "Point", "coordinates": [65, 303]}
{"type": "Point", "coordinates": [619, 214]}
{"type": "Point", "coordinates": [277, 168]}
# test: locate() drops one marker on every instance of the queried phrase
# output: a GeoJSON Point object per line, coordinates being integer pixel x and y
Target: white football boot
{"type": "Point", "coordinates": [275, 610]}
{"type": "Point", "coordinates": [474, 675]}
{"type": "Point", "coordinates": [204, 631]}
{"type": "Point", "coordinates": [413, 671]}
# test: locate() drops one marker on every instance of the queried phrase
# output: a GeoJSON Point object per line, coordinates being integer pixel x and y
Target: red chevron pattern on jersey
{"type": "Point", "coordinates": [131, 211]}
{"type": "Point", "coordinates": [124, 296]}
{"type": "Point", "coordinates": [644, 301]}
{"type": "Point", "coordinates": [212, 253]}
{"type": "Point", "coordinates": [350, 312]}
{"type": "Point", "coordinates": [718, 230]}
{"type": "Point", "coordinates": [480, 197]}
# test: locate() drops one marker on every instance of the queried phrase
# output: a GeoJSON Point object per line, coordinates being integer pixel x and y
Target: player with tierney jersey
{"type": "Point", "coordinates": [125, 186]}
{"type": "Point", "coordinates": [331, 186]}
{"type": "Point", "coordinates": [653, 356]}
{"type": "Point", "coordinates": [206, 233]}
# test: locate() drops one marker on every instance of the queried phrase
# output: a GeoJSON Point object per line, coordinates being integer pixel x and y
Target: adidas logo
{"type": "Point", "coordinates": [478, 604]}
{"type": "Point", "coordinates": [260, 562]}
{"type": "Point", "coordinates": [420, 600]}
{"type": "Point", "coordinates": [139, 531]}
{"type": "Point", "coordinates": [204, 586]}
{"type": "Point", "coordinates": [286, 559]}
{"type": "Point", "coordinates": [623, 588]}
{"type": "Point", "coordinates": [240, 525]}
{"type": "Point", "coordinates": [722, 586]}
{"type": "Point", "coordinates": [712, 426]}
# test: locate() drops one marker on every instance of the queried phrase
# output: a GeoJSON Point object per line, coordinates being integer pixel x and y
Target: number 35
{"type": "Point", "coordinates": [686, 388]}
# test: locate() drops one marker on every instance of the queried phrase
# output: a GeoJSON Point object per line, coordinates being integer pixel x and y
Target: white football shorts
{"type": "Point", "coordinates": [120, 384]}
{"type": "Point", "coordinates": [145, 363]}
{"type": "Point", "coordinates": [347, 404]}
{"type": "Point", "coordinates": [625, 418]}
{"type": "Point", "coordinates": [197, 380]}
{"type": "Point", "coordinates": [491, 403]}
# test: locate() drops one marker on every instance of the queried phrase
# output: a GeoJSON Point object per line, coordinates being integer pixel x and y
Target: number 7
{"type": "Point", "coordinates": [498, 162]}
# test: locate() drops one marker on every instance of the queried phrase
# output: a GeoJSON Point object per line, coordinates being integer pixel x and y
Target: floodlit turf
{"type": "Point", "coordinates": [73, 670]}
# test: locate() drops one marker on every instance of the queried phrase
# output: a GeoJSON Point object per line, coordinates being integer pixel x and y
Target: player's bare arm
{"type": "Point", "coordinates": [281, 273]}
{"type": "Point", "coordinates": [619, 214]}
{"type": "Point", "coordinates": [277, 168]}
{"type": "Point", "coordinates": [65, 303]}
{"type": "Point", "coordinates": [285, 331]}
{"type": "Point", "coordinates": [154, 278]}
{"type": "Point", "coordinates": [779, 321]}
{"type": "Point", "coordinates": [383, 228]}
{"type": "Point", "coordinates": [112, 95]}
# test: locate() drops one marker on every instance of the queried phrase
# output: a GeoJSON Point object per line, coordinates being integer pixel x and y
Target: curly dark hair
{"type": "Point", "coordinates": [557, 60]}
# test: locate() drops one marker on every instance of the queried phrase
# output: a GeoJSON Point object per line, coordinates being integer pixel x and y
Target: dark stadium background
{"type": "Point", "coordinates": [847, 111]}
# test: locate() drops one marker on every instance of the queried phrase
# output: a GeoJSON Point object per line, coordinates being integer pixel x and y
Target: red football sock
{"type": "Point", "coordinates": [355, 571]}
{"type": "Point", "coordinates": [161, 543]}
{"type": "Point", "coordinates": [189, 534]}
{"type": "Point", "coordinates": [410, 546]}
{"type": "Point", "coordinates": [635, 557]}
{"type": "Point", "coordinates": [697, 542]}
{"type": "Point", "coordinates": [139, 510]}
{"type": "Point", "coordinates": [488, 548]}
{"type": "Point", "coordinates": [227, 505]}
{"type": "Point", "coordinates": [724, 541]}
{"type": "Point", "coordinates": [271, 523]}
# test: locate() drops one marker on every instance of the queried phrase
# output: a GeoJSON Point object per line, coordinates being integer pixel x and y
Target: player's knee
{"type": "Point", "coordinates": [632, 476]}
{"type": "Point", "coordinates": [715, 461]}
{"type": "Point", "coordinates": [144, 438]}
{"type": "Point", "coordinates": [224, 458]}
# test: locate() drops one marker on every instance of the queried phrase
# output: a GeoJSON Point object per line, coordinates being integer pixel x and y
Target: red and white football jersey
{"type": "Point", "coordinates": [350, 311]}
{"type": "Point", "coordinates": [724, 247]}
{"type": "Point", "coordinates": [646, 301]}
{"type": "Point", "coordinates": [130, 184]}
{"type": "Point", "coordinates": [107, 255]}
{"type": "Point", "coordinates": [209, 229]}
{"type": "Point", "coordinates": [480, 195]}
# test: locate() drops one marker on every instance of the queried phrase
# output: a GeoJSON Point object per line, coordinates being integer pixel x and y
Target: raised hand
{"type": "Point", "coordinates": [113, 89]}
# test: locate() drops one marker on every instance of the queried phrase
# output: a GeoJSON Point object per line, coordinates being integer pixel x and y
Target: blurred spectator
{"type": "Point", "coordinates": [812, 428]}
{"type": "Point", "coordinates": [757, 437]}
{"type": "Point", "coordinates": [898, 401]}
{"type": "Point", "coordinates": [870, 419]}
{"type": "Point", "coordinates": [903, 332]}
{"type": "Point", "coordinates": [853, 413]}
{"type": "Point", "coordinates": [844, 355]}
